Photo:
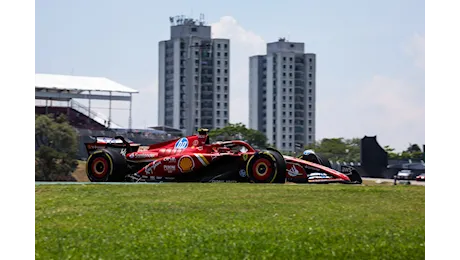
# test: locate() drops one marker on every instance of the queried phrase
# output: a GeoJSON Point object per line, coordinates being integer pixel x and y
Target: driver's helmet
{"type": "Point", "coordinates": [203, 137]}
{"type": "Point", "coordinates": [307, 152]}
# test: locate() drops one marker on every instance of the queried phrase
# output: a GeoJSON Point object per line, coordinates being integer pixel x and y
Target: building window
{"type": "Point", "coordinates": [218, 45]}
{"type": "Point", "coordinates": [218, 70]}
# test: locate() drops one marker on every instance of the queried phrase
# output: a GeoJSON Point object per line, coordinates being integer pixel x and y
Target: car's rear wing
{"type": "Point", "coordinates": [117, 143]}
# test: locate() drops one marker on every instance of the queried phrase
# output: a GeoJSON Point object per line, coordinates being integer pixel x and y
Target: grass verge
{"type": "Point", "coordinates": [229, 221]}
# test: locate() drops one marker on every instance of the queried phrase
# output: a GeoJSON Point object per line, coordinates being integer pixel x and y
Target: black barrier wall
{"type": "Point", "coordinates": [374, 159]}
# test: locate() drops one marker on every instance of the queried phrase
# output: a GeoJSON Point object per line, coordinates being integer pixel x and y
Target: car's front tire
{"type": "Point", "coordinates": [266, 167]}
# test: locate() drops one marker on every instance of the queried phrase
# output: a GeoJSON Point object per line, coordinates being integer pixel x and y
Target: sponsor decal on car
{"type": "Point", "coordinates": [181, 143]}
{"type": "Point", "coordinates": [151, 167]}
{"type": "Point", "coordinates": [242, 173]}
{"type": "Point", "coordinates": [346, 169]}
{"type": "Point", "coordinates": [186, 163]}
{"type": "Point", "coordinates": [95, 146]}
{"type": "Point", "coordinates": [245, 157]}
{"type": "Point", "coordinates": [161, 178]}
{"type": "Point", "coordinates": [169, 168]}
{"type": "Point", "coordinates": [295, 170]}
{"type": "Point", "coordinates": [169, 159]}
{"type": "Point", "coordinates": [123, 152]}
{"type": "Point", "coordinates": [141, 156]}
{"type": "Point", "coordinates": [195, 143]}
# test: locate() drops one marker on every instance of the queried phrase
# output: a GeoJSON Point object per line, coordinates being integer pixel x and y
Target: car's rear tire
{"type": "Point", "coordinates": [266, 167]}
{"type": "Point", "coordinates": [106, 166]}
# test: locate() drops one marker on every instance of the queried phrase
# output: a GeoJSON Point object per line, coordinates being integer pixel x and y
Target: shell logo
{"type": "Point", "coordinates": [186, 163]}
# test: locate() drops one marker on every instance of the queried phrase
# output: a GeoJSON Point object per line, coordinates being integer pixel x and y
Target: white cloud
{"type": "Point", "coordinates": [420, 48]}
{"type": "Point", "coordinates": [243, 44]}
{"type": "Point", "coordinates": [416, 49]}
{"type": "Point", "coordinates": [392, 109]}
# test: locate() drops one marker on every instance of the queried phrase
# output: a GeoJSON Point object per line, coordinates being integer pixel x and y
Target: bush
{"type": "Point", "coordinates": [55, 149]}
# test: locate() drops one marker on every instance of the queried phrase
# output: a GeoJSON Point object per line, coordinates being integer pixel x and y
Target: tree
{"type": "Point", "coordinates": [413, 148]}
{"type": "Point", "coordinates": [239, 131]}
{"type": "Point", "coordinates": [392, 155]}
{"type": "Point", "coordinates": [56, 148]}
{"type": "Point", "coordinates": [338, 149]}
{"type": "Point", "coordinates": [413, 152]}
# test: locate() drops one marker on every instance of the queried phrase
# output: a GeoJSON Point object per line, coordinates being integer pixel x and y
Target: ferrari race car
{"type": "Point", "coordinates": [195, 159]}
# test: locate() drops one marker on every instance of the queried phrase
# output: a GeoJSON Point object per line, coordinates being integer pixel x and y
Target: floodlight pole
{"type": "Point", "coordinates": [130, 110]}
{"type": "Point", "coordinates": [89, 106]}
{"type": "Point", "coordinates": [110, 109]}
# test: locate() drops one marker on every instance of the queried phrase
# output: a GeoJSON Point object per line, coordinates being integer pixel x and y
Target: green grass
{"type": "Point", "coordinates": [229, 221]}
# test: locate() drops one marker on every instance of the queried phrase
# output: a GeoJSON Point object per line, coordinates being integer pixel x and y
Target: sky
{"type": "Point", "coordinates": [370, 55]}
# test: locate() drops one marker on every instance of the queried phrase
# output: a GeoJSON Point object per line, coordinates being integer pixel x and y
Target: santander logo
{"type": "Point", "coordinates": [294, 172]}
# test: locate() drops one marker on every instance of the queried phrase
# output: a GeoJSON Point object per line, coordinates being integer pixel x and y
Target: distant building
{"type": "Point", "coordinates": [194, 77]}
{"type": "Point", "coordinates": [282, 90]}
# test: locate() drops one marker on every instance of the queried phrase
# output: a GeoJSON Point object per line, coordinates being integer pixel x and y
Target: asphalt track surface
{"type": "Point", "coordinates": [378, 180]}
{"type": "Point", "coordinates": [412, 182]}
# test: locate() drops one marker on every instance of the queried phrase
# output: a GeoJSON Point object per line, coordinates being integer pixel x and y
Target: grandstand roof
{"type": "Point", "coordinates": [165, 128]}
{"type": "Point", "coordinates": [79, 83]}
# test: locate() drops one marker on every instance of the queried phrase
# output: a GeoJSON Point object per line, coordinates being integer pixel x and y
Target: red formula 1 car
{"type": "Point", "coordinates": [194, 159]}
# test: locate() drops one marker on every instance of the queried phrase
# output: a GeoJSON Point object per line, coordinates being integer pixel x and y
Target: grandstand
{"type": "Point", "coordinates": [60, 91]}
{"type": "Point", "coordinates": [65, 89]}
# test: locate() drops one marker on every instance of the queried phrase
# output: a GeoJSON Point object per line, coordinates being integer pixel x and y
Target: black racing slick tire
{"type": "Point", "coordinates": [106, 166]}
{"type": "Point", "coordinates": [316, 158]}
{"type": "Point", "coordinates": [266, 167]}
